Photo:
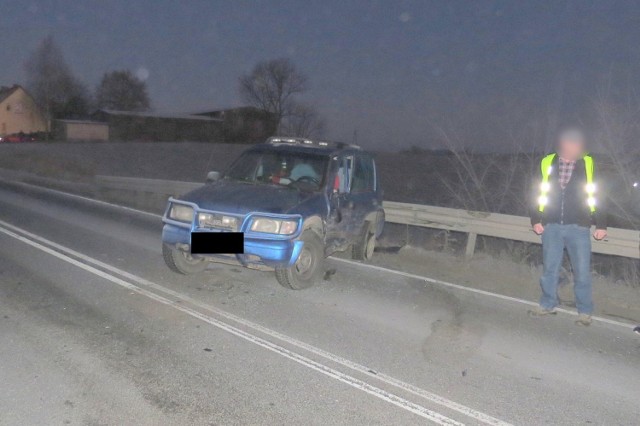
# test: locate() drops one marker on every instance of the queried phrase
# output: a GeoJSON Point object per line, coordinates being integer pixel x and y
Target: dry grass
{"type": "Point", "coordinates": [43, 164]}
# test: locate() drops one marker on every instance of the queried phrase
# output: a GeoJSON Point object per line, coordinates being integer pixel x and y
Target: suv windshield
{"type": "Point", "coordinates": [299, 170]}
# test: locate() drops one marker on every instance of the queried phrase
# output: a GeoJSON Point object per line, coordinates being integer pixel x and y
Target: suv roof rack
{"type": "Point", "coordinates": [288, 140]}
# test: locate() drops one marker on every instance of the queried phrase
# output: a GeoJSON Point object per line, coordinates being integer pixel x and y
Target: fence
{"type": "Point", "coordinates": [620, 242]}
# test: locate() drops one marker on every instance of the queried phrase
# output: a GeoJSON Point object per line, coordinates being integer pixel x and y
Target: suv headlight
{"type": "Point", "coordinates": [274, 226]}
{"type": "Point", "coordinates": [181, 213]}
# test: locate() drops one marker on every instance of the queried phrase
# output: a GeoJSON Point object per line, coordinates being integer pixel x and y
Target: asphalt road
{"type": "Point", "coordinates": [95, 330]}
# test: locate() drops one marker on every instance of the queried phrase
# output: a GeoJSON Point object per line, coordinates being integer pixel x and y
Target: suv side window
{"type": "Point", "coordinates": [344, 175]}
{"type": "Point", "coordinates": [364, 175]}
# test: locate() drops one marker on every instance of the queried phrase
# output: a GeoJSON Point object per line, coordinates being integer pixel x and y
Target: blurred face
{"type": "Point", "coordinates": [571, 145]}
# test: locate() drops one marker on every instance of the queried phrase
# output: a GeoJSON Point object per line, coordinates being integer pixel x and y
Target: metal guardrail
{"type": "Point", "coordinates": [620, 242]}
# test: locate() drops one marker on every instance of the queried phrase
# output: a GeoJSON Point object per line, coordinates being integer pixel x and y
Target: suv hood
{"type": "Point", "coordinates": [242, 198]}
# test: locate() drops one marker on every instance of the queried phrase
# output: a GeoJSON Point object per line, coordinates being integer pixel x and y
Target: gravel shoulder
{"type": "Point", "coordinates": [503, 276]}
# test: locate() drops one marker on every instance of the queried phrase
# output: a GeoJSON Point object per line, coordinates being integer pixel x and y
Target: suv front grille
{"type": "Point", "coordinates": [218, 221]}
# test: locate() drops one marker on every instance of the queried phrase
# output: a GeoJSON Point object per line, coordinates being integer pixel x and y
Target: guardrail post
{"type": "Point", "coordinates": [471, 245]}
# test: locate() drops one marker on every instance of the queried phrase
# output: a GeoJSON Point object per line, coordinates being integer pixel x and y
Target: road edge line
{"type": "Point", "coordinates": [354, 382]}
{"type": "Point", "coordinates": [429, 396]}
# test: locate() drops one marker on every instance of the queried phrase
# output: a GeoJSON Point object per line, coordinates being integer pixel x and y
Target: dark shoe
{"type": "Point", "coordinates": [637, 330]}
{"type": "Point", "coordinates": [583, 319]}
{"type": "Point", "coordinates": [539, 311]}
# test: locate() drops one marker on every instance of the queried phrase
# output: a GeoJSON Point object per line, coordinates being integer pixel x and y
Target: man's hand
{"type": "Point", "coordinates": [539, 229]}
{"type": "Point", "coordinates": [600, 234]}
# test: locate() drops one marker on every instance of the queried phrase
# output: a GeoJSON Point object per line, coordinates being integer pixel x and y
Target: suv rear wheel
{"type": "Point", "coordinates": [182, 262]}
{"type": "Point", "coordinates": [308, 269]}
{"type": "Point", "coordinates": [363, 248]}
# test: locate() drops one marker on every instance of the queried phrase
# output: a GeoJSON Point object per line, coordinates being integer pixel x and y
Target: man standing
{"type": "Point", "coordinates": [566, 207]}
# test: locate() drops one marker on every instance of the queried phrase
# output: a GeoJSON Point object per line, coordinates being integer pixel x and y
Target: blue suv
{"type": "Point", "coordinates": [283, 205]}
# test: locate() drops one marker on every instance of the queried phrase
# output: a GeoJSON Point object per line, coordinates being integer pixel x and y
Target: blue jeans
{"type": "Point", "coordinates": [577, 240]}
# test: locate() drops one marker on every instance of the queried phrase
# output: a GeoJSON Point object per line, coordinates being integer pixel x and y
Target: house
{"type": "Point", "coordinates": [243, 124]}
{"type": "Point", "coordinates": [153, 126]}
{"type": "Point", "coordinates": [19, 112]}
{"type": "Point", "coordinates": [80, 130]}
{"type": "Point", "coordinates": [232, 125]}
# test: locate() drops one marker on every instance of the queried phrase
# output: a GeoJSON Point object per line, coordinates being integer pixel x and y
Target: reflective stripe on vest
{"type": "Point", "coordinates": [546, 167]}
{"type": "Point", "coordinates": [591, 187]}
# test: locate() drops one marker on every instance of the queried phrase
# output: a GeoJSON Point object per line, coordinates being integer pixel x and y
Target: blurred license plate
{"type": "Point", "coordinates": [217, 242]}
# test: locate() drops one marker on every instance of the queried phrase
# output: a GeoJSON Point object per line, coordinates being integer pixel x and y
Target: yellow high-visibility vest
{"type": "Point", "coordinates": [546, 167]}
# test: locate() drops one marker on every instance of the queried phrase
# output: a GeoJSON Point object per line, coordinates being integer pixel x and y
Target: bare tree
{"type": "Point", "coordinates": [58, 93]}
{"type": "Point", "coordinates": [496, 182]}
{"type": "Point", "coordinates": [303, 121]}
{"type": "Point", "coordinates": [272, 86]}
{"type": "Point", "coordinates": [121, 90]}
{"type": "Point", "coordinates": [616, 139]}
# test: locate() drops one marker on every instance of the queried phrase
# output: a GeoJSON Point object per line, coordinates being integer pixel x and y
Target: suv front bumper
{"type": "Point", "coordinates": [269, 252]}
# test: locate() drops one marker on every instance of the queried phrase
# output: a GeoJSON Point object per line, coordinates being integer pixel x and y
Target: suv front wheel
{"type": "Point", "coordinates": [182, 262]}
{"type": "Point", "coordinates": [308, 268]}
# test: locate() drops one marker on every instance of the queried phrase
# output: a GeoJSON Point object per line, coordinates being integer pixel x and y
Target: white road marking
{"type": "Point", "coordinates": [625, 325]}
{"type": "Point", "coordinates": [472, 290]}
{"type": "Point", "coordinates": [294, 356]}
{"type": "Point", "coordinates": [30, 239]}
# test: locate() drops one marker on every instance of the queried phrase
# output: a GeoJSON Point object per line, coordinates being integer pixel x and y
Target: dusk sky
{"type": "Point", "coordinates": [389, 70]}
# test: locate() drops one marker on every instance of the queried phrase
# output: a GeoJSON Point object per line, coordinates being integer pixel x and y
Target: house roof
{"type": "Point", "coordinates": [152, 114]}
{"type": "Point", "coordinates": [221, 111]}
{"type": "Point", "coordinates": [5, 91]}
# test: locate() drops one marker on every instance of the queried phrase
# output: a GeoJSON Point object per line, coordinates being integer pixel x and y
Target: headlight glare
{"type": "Point", "coordinates": [181, 213]}
{"type": "Point", "coordinates": [229, 221]}
{"type": "Point", "coordinates": [204, 218]}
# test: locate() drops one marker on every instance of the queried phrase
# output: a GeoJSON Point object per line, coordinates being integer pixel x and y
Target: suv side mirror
{"type": "Point", "coordinates": [212, 177]}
